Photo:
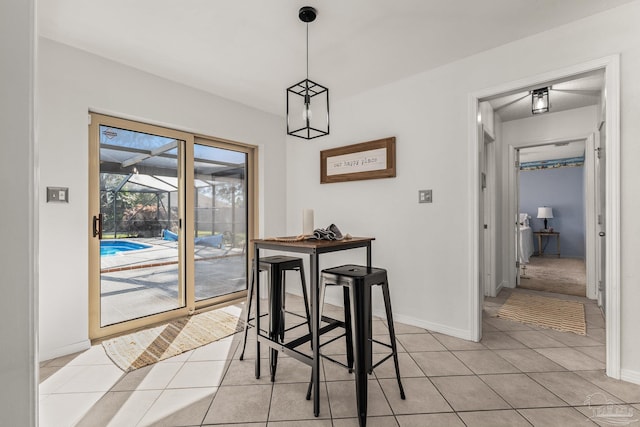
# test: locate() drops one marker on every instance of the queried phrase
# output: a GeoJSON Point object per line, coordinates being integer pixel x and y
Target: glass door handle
{"type": "Point", "coordinates": [601, 234]}
{"type": "Point", "coordinates": [97, 226]}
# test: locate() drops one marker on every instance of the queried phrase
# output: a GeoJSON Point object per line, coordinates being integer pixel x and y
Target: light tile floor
{"type": "Point", "coordinates": [519, 375]}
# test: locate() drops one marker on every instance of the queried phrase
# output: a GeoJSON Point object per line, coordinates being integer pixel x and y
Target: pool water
{"type": "Point", "coordinates": [115, 247]}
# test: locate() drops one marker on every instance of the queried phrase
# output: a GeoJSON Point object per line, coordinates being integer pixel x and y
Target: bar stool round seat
{"type": "Point", "coordinates": [276, 266]}
{"type": "Point", "coordinates": [357, 282]}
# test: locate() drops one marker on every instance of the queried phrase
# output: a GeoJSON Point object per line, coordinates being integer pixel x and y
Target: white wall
{"type": "Point", "coordinates": [18, 368]}
{"type": "Point", "coordinates": [72, 82]}
{"type": "Point", "coordinates": [426, 247]}
{"type": "Point", "coordinates": [578, 122]}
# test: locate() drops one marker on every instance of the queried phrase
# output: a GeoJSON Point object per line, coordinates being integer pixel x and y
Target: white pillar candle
{"type": "Point", "coordinates": [307, 221]}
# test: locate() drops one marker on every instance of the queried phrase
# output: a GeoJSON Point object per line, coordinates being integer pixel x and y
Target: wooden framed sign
{"type": "Point", "coordinates": [367, 160]}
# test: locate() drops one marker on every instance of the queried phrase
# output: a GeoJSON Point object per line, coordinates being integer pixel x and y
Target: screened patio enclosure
{"type": "Point", "coordinates": [146, 213]}
{"type": "Point", "coordinates": [141, 199]}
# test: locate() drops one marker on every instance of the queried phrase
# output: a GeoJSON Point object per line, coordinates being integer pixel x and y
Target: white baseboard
{"type": "Point", "coordinates": [496, 291]}
{"type": "Point", "coordinates": [432, 327]}
{"type": "Point", "coordinates": [502, 285]}
{"type": "Point", "coordinates": [506, 284]}
{"type": "Point", "coordinates": [630, 376]}
{"type": "Point", "coordinates": [64, 351]}
{"type": "Point", "coordinates": [412, 321]}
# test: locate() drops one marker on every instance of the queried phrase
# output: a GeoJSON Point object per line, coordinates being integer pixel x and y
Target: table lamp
{"type": "Point", "coordinates": [545, 212]}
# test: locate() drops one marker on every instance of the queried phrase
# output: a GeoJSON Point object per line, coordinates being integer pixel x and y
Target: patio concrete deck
{"type": "Point", "coordinates": [145, 281]}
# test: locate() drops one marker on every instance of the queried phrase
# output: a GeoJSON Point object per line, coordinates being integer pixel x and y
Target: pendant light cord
{"type": "Point", "coordinates": [307, 51]}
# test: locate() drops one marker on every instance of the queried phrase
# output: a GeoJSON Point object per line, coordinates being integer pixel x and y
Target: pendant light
{"type": "Point", "coordinates": [540, 101]}
{"type": "Point", "coordinates": [307, 101]}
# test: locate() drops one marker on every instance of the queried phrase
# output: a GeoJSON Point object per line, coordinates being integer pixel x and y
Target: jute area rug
{"type": "Point", "coordinates": [551, 313]}
{"type": "Point", "coordinates": [552, 274]}
{"type": "Point", "coordinates": [142, 348]}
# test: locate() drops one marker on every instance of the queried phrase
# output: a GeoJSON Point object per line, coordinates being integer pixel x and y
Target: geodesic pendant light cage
{"type": "Point", "coordinates": [307, 110]}
{"type": "Point", "coordinates": [307, 101]}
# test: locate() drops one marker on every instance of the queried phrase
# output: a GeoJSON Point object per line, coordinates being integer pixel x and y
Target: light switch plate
{"type": "Point", "coordinates": [425, 196]}
{"type": "Point", "coordinates": [58, 194]}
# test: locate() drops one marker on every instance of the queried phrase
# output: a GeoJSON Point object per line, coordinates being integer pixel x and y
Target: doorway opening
{"type": "Point", "coordinates": [604, 220]}
{"type": "Point", "coordinates": [555, 209]}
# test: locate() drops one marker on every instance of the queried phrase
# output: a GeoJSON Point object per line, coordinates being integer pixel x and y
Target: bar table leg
{"type": "Point", "coordinates": [275, 307]}
{"type": "Point", "coordinates": [315, 339]}
{"type": "Point", "coordinates": [256, 266]}
{"type": "Point", "coordinates": [361, 330]}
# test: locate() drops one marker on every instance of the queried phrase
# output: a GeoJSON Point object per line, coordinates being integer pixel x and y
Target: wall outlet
{"type": "Point", "coordinates": [425, 196]}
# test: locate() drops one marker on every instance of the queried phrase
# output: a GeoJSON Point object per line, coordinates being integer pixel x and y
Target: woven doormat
{"type": "Point", "coordinates": [151, 345]}
{"type": "Point", "coordinates": [552, 313]}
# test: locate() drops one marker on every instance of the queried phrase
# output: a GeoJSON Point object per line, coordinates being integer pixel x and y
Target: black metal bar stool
{"type": "Point", "coordinates": [357, 282]}
{"type": "Point", "coordinates": [276, 266]}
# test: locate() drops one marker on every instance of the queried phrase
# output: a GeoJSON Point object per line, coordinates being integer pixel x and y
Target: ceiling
{"type": "Point", "coordinates": [250, 51]}
{"type": "Point", "coordinates": [566, 94]}
{"type": "Point", "coordinates": [579, 91]}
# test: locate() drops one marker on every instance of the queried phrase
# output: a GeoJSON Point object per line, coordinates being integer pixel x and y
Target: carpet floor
{"type": "Point", "coordinates": [552, 274]}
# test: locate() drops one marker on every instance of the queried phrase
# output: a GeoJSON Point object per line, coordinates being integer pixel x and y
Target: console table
{"type": "Point", "coordinates": [548, 235]}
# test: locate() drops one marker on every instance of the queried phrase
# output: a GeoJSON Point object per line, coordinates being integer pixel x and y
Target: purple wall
{"type": "Point", "coordinates": [563, 190]}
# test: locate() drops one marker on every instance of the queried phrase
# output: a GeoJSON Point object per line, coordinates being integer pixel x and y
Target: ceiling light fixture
{"type": "Point", "coordinates": [302, 121]}
{"type": "Point", "coordinates": [540, 101]}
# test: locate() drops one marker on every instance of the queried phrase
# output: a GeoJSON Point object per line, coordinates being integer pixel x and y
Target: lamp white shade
{"type": "Point", "coordinates": [545, 212]}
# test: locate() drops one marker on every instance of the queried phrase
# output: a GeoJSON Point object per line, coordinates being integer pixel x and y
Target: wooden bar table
{"type": "Point", "coordinates": [314, 248]}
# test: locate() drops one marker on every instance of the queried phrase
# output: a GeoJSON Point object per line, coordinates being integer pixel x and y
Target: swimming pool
{"type": "Point", "coordinates": [115, 247]}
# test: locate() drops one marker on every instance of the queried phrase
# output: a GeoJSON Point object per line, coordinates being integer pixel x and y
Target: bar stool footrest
{"type": "Point", "coordinates": [299, 324]}
{"type": "Point", "coordinates": [344, 365]}
{"type": "Point", "coordinates": [332, 340]}
{"type": "Point", "coordinates": [380, 362]}
{"type": "Point", "coordinates": [251, 325]}
{"type": "Point", "coordinates": [382, 343]}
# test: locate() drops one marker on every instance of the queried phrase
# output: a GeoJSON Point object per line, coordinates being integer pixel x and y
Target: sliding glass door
{"type": "Point", "coordinates": [220, 220]}
{"type": "Point", "coordinates": [169, 223]}
{"type": "Point", "coordinates": [140, 213]}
